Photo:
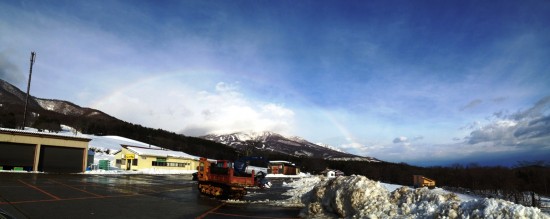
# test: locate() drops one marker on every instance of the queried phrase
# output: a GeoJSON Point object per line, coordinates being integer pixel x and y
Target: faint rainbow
{"type": "Point", "coordinates": [97, 104]}
{"type": "Point", "coordinates": [330, 116]}
{"type": "Point", "coordinates": [344, 131]}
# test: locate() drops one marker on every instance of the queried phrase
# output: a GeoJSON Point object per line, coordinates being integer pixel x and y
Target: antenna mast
{"type": "Point", "coordinates": [33, 56]}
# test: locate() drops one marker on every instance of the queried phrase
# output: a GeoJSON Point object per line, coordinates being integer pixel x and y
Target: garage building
{"type": "Point", "coordinates": [44, 152]}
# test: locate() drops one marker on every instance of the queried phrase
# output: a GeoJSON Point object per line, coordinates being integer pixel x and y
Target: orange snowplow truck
{"type": "Point", "coordinates": [220, 179]}
{"type": "Point", "coordinates": [421, 181]}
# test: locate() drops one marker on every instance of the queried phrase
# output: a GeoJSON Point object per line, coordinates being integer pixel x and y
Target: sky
{"type": "Point", "coordinates": [421, 82]}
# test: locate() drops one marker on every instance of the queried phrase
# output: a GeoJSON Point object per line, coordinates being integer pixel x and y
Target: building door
{"type": "Point", "coordinates": [129, 164]}
{"type": "Point", "coordinates": [56, 159]}
{"type": "Point", "coordinates": [15, 156]}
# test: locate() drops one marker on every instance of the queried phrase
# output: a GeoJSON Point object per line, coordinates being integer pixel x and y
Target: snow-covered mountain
{"type": "Point", "coordinates": [63, 107]}
{"type": "Point", "coordinates": [294, 146]}
{"type": "Point", "coordinates": [11, 95]}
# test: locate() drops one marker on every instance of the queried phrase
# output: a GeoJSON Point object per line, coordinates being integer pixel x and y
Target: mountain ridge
{"type": "Point", "coordinates": [293, 146]}
{"type": "Point", "coordinates": [12, 95]}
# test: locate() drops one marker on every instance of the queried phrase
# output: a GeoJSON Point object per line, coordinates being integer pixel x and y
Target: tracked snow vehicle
{"type": "Point", "coordinates": [227, 180]}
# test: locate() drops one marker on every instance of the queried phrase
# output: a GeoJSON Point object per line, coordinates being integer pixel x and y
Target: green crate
{"type": "Point", "coordinates": [18, 168]}
{"type": "Point", "coordinates": [1, 168]}
{"type": "Point", "coordinates": [104, 164]}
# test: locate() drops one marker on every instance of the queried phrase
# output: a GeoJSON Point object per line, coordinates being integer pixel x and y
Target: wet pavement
{"type": "Point", "coordinates": [29, 195]}
{"type": "Point", "coordinates": [227, 210]}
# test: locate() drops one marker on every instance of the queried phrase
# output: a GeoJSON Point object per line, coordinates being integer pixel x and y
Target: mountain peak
{"type": "Point", "coordinates": [271, 141]}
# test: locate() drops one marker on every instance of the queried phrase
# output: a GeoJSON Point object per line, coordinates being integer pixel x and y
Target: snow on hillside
{"type": "Point", "coordinates": [359, 197]}
{"type": "Point", "coordinates": [329, 147]}
{"type": "Point", "coordinates": [250, 136]}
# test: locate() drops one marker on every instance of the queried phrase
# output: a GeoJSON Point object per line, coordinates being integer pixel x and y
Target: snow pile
{"type": "Point", "coordinates": [497, 208]}
{"type": "Point", "coordinates": [354, 196]}
{"type": "Point", "coordinates": [359, 197]}
{"type": "Point", "coordinates": [424, 203]}
{"type": "Point", "coordinates": [299, 188]}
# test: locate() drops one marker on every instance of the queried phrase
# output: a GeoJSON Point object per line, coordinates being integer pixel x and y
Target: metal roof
{"type": "Point", "coordinates": [43, 134]}
{"type": "Point", "coordinates": [159, 152]}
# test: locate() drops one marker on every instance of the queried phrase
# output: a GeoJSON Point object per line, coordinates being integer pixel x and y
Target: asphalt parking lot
{"type": "Point", "coordinates": [30, 195]}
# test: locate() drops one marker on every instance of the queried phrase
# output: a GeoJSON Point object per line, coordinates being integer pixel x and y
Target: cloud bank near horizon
{"type": "Point", "coordinates": [501, 139]}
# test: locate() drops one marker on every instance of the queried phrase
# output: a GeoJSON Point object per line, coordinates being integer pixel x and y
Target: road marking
{"type": "Point", "coordinates": [247, 216]}
{"type": "Point", "coordinates": [210, 212]}
{"type": "Point", "coordinates": [67, 199]}
{"type": "Point", "coordinates": [78, 198]}
{"type": "Point", "coordinates": [40, 190]}
{"type": "Point", "coordinates": [96, 195]}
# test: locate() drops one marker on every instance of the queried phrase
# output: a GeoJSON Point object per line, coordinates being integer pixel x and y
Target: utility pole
{"type": "Point", "coordinates": [33, 56]}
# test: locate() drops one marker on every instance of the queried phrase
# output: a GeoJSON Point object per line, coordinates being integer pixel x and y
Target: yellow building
{"type": "Point", "coordinates": [39, 151]}
{"type": "Point", "coordinates": [145, 158]}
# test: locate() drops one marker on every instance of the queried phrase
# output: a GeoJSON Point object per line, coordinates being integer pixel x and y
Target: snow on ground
{"type": "Point", "coordinates": [301, 175]}
{"type": "Point", "coordinates": [391, 187]}
{"type": "Point", "coordinates": [359, 197]}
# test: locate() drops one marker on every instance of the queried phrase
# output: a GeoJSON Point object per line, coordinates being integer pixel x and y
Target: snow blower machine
{"type": "Point", "coordinates": [228, 180]}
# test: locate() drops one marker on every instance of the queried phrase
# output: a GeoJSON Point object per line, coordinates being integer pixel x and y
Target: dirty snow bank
{"type": "Point", "coordinates": [359, 197]}
{"type": "Point", "coordinates": [299, 188]}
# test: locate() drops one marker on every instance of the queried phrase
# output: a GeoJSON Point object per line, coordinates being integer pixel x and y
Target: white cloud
{"type": "Point", "coordinates": [517, 129]}
{"type": "Point", "coordinates": [356, 147]}
{"type": "Point", "coordinates": [194, 112]}
{"type": "Point", "coordinates": [502, 140]}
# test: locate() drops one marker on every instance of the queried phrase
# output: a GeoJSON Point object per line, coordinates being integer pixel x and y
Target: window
{"type": "Point", "coordinates": [159, 164]}
{"type": "Point", "coordinates": [135, 162]}
{"type": "Point", "coordinates": [169, 164]}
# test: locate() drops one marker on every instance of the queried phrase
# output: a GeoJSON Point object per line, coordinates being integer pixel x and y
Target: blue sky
{"type": "Point", "coordinates": [422, 82]}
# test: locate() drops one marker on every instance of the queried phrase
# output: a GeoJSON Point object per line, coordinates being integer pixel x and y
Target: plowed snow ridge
{"type": "Point", "coordinates": [359, 197]}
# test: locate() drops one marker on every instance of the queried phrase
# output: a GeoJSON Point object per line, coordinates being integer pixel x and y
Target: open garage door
{"type": "Point", "coordinates": [16, 156]}
{"type": "Point", "coordinates": [55, 159]}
